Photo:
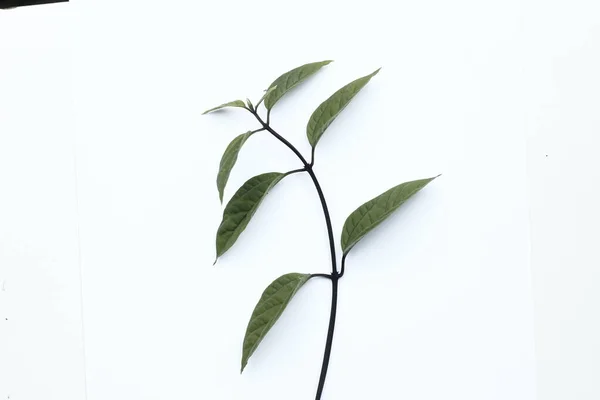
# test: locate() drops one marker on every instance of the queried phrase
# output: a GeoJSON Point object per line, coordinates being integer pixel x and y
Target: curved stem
{"type": "Point", "coordinates": [343, 265]}
{"type": "Point", "coordinates": [329, 341]}
{"type": "Point", "coordinates": [295, 171]}
{"type": "Point", "coordinates": [327, 219]}
{"type": "Point", "coordinates": [281, 139]}
{"type": "Point", "coordinates": [334, 273]}
{"type": "Point", "coordinates": [257, 130]}
{"type": "Point", "coordinates": [320, 276]}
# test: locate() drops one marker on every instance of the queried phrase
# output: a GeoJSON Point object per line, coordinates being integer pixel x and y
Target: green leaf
{"type": "Point", "coordinates": [241, 208]}
{"type": "Point", "coordinates": [269, 308]}
{"type": "Point", "coordinates": [235, 103]}
{"type": "Point", "coordinates": [366, 217]}
{"type": "Point", "coordinates": [250, 105]}
{"type": "Point", "coordinates": [328, 111]}
{"type": "Point", "coordinates": [291, 79]}
{"type": "Point", "coordinates": [228, 161]}
{"type": "Point", "coordinates": [267, 92]}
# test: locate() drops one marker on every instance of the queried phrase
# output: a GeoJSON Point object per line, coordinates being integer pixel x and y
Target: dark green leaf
{"type": "Point", "coordinates": [228, 161]}
{"type": "Point", "coordinates": [242, 207]}
{"type": "Point", "coordinates": [289, 80]}
{"type": "Point", "coordinates": [366, 217]}
{"type": "Point", "coordinates": [269, 308]}
{"type": "Point", "coordinates": [235, 103]}
{"type": "Point", "coordinates": [327, 112]}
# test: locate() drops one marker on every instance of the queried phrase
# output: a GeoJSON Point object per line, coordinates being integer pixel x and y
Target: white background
{"type": "Point", "coordinates": [563, 143]}
{"type": "Point", "coordinates": [436, 303]}
{"type": "Point", "coordinates": [41, 346]}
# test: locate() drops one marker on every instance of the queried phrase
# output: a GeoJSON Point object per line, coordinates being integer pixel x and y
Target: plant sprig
{"type": "Point", "coordinates": [243, 204]}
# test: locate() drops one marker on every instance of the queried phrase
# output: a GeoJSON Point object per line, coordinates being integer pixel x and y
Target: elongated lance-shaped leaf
{"type": "Point", "coordinates": [328, 111]}
{"type": "Point", "coordinates": [289, 80]}
{"type": "Point", "coordinates": [366, 217]}
{"type": "Point", "coordinates": [228, 161]}
{"type": "Point", "coordinates": [235, 103]}
{"type": "Point", "coordinates": [269, 308]}
{"type": "Point", "coordinates": [242, 206]}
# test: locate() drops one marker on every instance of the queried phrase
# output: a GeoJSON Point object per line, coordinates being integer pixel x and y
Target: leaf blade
{"type": "Point", "coordinates": [289, 80]}
{"type": "Point", "coordinates": [228, 161]}
{"type": "Point", "coordinates": [372, 213]}
{"type": "Point", "coordinates": [269, 308]}
{"type": "Point", "coordinates": [241, 208]}
{"type": "Point", "coordinates": [266, 93]}
{"type": "Point", "coordinates": [235, 103]}
{"type": "Point", "coordinates": [328, 111]}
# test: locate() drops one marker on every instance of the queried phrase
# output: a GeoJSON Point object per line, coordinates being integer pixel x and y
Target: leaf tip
{"type": "Point", "coordinates": [214, 263]}
{"type": "Point", "coordinates": [220, 191]}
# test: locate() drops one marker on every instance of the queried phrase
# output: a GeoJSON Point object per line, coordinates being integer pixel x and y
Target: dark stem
{"type": "Point", "coordinates": [327, 276]}
{"type": "Point", "coordinates": [327, 219]}
{"type": "Point", "coordinates": [329, 341]}
{"type": "Point", "coordinates": [334, 273]}
{"type": "Point", "coordinates": [281, 139]}
{"type": "Point", "coordinates": [343, 265]}
{"type": "Point", "coordinates": [295, 171]}
{"type": "Point", "coordinates": [257, 130]}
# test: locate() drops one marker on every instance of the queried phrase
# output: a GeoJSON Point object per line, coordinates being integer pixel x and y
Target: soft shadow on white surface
{"type": "Point", "coordinates": [41, 346]}
{"type": "Point", "coordinates": [436, 304]}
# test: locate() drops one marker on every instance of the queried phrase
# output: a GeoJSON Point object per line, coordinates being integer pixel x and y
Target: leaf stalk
{"type": "Point", "coordinates": [327, 276]}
